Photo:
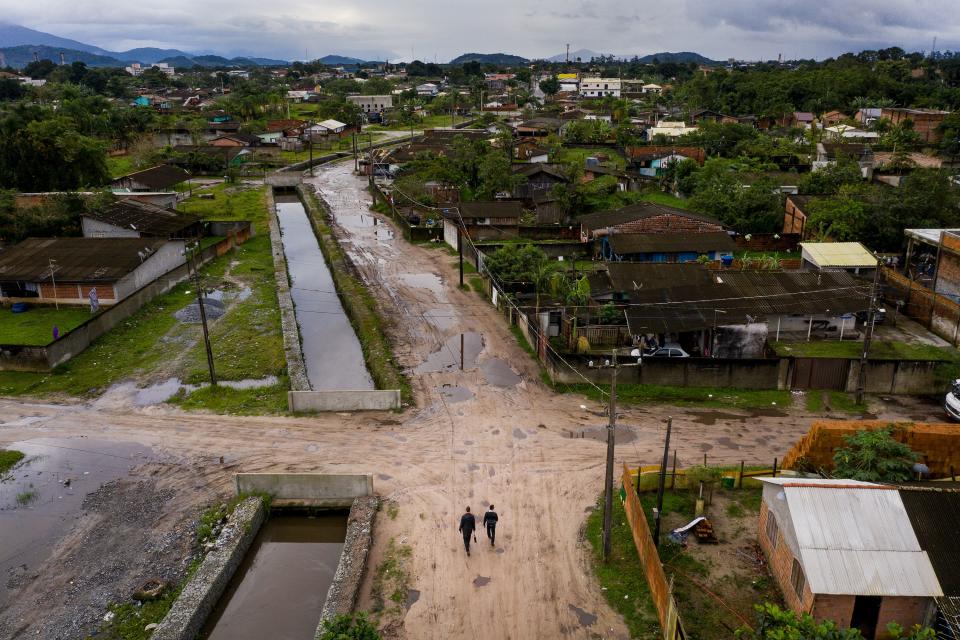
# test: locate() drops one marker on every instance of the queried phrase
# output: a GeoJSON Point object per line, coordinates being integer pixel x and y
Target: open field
{"type": "Point", "coordinates": [579, 156]}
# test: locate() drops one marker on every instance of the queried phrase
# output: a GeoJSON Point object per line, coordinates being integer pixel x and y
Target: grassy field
{"type": "Point", "coordinates": [579, 156]}
{"type": "Point", "coordinates": [247, 341]}
{"type": "Point", "coordinates": [879, 350]}
{"type": "Point", "coordinates": [35, 327]}
{"type": "Point", "coordinates": [119, 165]}
{"type": "Point", "coordinates": [685, 396]}
{"type": "Point", "coordinates": [667, 199]}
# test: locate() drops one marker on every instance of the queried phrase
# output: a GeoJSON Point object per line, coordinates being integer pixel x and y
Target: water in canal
{"type": "Point", "coordinates": [331, 350]}
{"type": "Point", "coordinates": [279, 590]}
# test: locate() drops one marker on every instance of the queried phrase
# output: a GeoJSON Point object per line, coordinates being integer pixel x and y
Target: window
{"type": "Point", "coordinates": [797, 579]}
{"type": "Point", "coordinates": [771, 529]}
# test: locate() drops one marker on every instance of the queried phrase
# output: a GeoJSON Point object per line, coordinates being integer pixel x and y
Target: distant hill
{"type": "Point", "coordinates": [19, 43]}
{"type": "Point", "coordinates": [335, 60]}
{"type": "Point", "coordinates": [681, 57]}
{"type": "Point", "coordinates": [22, 55]}
{"type": "Point", "coordinates": [489, 58]}
{"type": "Point", "coordinates": [14, 35]}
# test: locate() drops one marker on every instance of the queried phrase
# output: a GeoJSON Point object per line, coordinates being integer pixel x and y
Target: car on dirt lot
{"type": "Point", "coordinates": [951, 402]}
{"type": "Point", "coordinates": [669, 350]}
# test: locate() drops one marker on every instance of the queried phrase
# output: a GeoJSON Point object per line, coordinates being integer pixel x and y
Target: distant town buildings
{"type": "Point", "coordinates": [136, 69]}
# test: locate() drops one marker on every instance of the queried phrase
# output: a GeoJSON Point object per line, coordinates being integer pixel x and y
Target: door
{"type": "Point", "coordinates": [866, 612]}
{"type": "Point", "coordinates": [820, 373]}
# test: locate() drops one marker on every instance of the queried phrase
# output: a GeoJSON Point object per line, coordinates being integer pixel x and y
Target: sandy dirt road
{"type": "Point", "coordinates": [494, 433]}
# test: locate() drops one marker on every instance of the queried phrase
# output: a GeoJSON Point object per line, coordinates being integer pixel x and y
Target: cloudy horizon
{"type": "Point", "coordinates": [432, 30]}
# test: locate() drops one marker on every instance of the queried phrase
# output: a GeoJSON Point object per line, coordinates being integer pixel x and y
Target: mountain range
{"type": "Point", "coordinates": [19, 44]}
{"type": "Point", "coordinates": [491, 58]}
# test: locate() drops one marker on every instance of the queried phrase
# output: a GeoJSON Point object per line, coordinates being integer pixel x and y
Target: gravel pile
{"type": "Point", "coordinates": [191, 312]}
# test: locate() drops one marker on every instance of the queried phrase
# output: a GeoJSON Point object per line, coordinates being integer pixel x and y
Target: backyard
{"type": "Point", "coordinates": [35, 326]}
{"type": "Point", "coordinates": [716, 585]}
{"type": "Point", "coordinates": [579, 155]}
{"type": "Point", "coordinates": [153, 345]}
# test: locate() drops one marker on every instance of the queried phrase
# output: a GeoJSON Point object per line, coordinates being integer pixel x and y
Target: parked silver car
{"type": "Point", "coordinates": [669, 350]}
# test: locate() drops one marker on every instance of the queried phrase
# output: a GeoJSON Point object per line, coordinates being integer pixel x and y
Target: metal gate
{"type": "Point", "coordinates": [820, 373]}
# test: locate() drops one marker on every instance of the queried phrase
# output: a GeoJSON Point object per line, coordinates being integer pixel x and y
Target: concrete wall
{"type": "Point", "coordinates": [906, 377]}
{"type": "Point", "coordinates": [167, 257]}
{"type": "Point", "coordinates": [313, 489]}
{"type": "Point", "coordinates": [296, 369]}
{"type": "Point", "coordinates": [343, 592]}
{"type": "Point", "coordinates": [200, 595]}
{"type": "Point", "coordinates": [362, 400]}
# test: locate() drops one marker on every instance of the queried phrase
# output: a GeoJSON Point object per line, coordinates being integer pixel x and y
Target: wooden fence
{"type": "Point", "coordinates": [660, 589]}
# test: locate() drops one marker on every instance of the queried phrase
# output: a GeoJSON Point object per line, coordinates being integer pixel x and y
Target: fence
{"type": "Point", "coordinates": [937, 444]}
{"type": "Point", "coordinates": [660, 589]}
{"type": "Point", "coordinates": [936, 312]}
{"type": "Point", "coordinates": [646, 476]}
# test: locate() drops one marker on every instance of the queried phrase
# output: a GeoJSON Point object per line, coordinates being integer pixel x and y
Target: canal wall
{"type": "Point", "coordinates": [306, 489]}
{"type": "Point", "coordinates": [200, 595]}
{"type": "Point", "coordinates": [296, 370]}
{"type": "Point", "coordinates": [345, 588]}
{"type": "Point", "coordinates": [359, 400]}
{"type": "Point", "coordinates": [361, 310]}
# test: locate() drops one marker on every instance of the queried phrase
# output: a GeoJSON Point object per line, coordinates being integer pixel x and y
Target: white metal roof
{"type": "Point", "coordinates": [930, 236]}
{"type": "Point", "coordinates": [826, 482]}
{"type": "Point", "coordinates": [838, 254]}
{"type": "Point", "coordinates": [331, 124]}
{"type": "Point", "coordinates": [857, 539]}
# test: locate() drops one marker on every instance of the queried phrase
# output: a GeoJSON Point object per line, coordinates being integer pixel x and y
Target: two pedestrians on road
{"type": "Point", "coordinates": [468, 527]}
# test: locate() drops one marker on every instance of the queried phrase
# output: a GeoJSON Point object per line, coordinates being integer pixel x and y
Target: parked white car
{"type": "Point", "coordinates": [951, 403]}
{"type": "Point", "coordinates": [669, 350]}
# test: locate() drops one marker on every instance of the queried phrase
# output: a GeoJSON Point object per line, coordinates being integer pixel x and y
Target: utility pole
{"type": "Point", "coordinates": [53, 269]}
{"type": "Point", "coordinates": [660, 485]}
{"type": "Point", "coordinates": [868, 336]}
{"type": "Point", "coordinates": [460, 247]}
{"type": "Point", "coordinates": [608, 479]}
{"type": "Point", "coordinates": [193, 250]}
{"type": "Point", "coordinates": [310, 144]}
{"type": "Point", "coordinates": [611, 444]}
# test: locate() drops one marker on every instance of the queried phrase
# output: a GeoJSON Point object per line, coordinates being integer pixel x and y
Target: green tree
{"type": "Point", "coordinates": [550, 86]}
{"type": "Point", "coordinates": [350, 626]}
{"type": "Point", "coordinates": [495, 175]}
{"type": "Point", "coordinates": [829, 179]}
{"type": "Point", "coordinates": [840, 218]}
{"type": "Point", "coordinates": [515, 264]}
{"type": "Point", "coordinates": [874, 456]}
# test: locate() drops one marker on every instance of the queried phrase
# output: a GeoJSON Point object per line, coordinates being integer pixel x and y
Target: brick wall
{"type": "Point", "coordinates": [937, 444]}
{"type": "Point", "coordinates": [668, 223]}
{"type": "Point", "coordinates": [794, 220]}
{"type": "Point", "coordinates": [838, 608]}
{"type": "Point", "coordinates": [906, 611]}
{"type": "Point", "coordinates": [781, 564]}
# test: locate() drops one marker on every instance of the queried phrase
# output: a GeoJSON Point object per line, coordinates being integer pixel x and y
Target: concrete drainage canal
{"type": "Point", "coordinates": [280, 574]}
{"type": "Point", "coordinates": [332, 355]}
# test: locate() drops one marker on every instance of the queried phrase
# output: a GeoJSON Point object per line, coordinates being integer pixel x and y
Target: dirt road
{"type": "Point", "coordinates": [488, 433]}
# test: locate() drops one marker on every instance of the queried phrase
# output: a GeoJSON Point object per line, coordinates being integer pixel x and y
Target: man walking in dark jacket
{"type": "Point", "coordinates": [490, 523]}
{"type": "Point", "coordinates": [468, 524]}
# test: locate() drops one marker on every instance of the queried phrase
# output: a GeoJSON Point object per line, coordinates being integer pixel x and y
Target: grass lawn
{"type": "Point", "coordinates": [9, 459]}
{"type": "Point", "coordinates": [622, 579]}
{"type": "Point", "coordinates": [35, 327]}
{"type": "Point", "coordinates": [667, 199]}
{"type": "Point", "coordinates": [818, 401]}
{"type": "Point", "coordinates": [579, 155]}
{"type": "Point", "coordinates": [119, 165]}
{"type": "Point", "coordinates": [879, 350]}
{"type": "Point", "coordinates": [247, 342]}
{"type": "Point", "coordinates": [685, 396]}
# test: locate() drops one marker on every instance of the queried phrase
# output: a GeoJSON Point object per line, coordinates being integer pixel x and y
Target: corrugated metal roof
{"type": "Point", "coordinates": [869, 573]}
{"type": "Point", "coordinates": [858, 541]}
{"type": "Point", "coordinates": [826, 482]}
{"type": "Point", "coordinates": [629, 243]}
{"type": "Point", "coordinates": [838, 254]}
{"type": "Point", "coordinates": [76, 259]}
{"type": "Point", "coordinates": [935, 515]}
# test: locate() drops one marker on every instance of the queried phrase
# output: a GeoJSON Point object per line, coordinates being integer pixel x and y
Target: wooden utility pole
{"type": "Point", "coordinates": [203, 314]}
{"type": "Point", "coordinates": [660, 485]}
{"type": "Point", "coordinates": [608, 479]}
{"type": "Point", "coordinates": [868, 337]}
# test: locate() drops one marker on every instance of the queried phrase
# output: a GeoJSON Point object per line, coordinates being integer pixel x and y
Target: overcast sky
{"type": "Point", "coordinates": [442, 29]}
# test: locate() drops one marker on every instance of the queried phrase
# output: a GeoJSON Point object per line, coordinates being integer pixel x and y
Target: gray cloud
{"type": "Point", "coordinates": [441, 29]}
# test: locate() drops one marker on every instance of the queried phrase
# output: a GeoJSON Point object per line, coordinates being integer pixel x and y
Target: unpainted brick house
{"type": "Point", "coordinates": [846, 551]}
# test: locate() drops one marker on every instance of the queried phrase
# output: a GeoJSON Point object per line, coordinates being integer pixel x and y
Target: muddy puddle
{"type": "Point", "coordinates": [331, 350]}
{"type": "Point", "coordinates": [711, 417]}
{"type": "Point", "coordinates": [498, 373]}
{"type": "Point", "coordinates": [280, 587]}
{"type": "Point", "coordinates": [160, 392]}
{"type": "Point", "coordinates": [442, 319]}
{"type": "Point", "coordinates": [42, 498]}
{"type": "Point", "coordinates": [453, 393]}
{"type": "Point", "coordinates": [459, 352]}
{"type": "Point", "coordinates": [429, 281]}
